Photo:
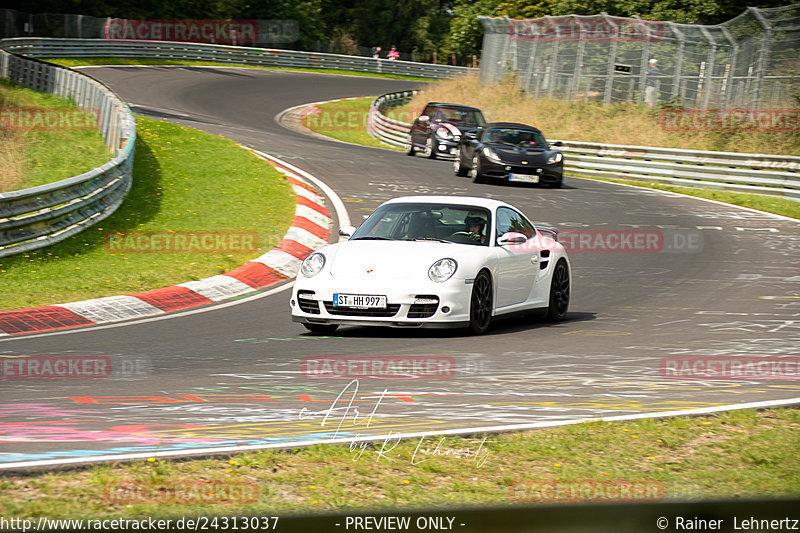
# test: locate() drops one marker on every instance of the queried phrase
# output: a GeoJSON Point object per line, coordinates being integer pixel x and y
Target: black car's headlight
{"type": "Point", "coordinates": [442, 270]}
{"type": "Point", "coordinates": [444, 133]}
{"type": "Point", "coordinates": [490, 155]}
{"type": "Point", "coordinates": [555, 158]}
{"type": "Point", "coordinates": [312, 265]}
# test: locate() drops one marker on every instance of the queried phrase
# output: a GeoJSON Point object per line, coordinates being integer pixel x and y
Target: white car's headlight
{"type": "Point", "coordinates": [312, 264]}
{"type": "Point", "coordinates": [555, 158]}
{"type": "Point", "coordinates": [442, 270]}
{"type": "Point", "coordinates": [490, 155]}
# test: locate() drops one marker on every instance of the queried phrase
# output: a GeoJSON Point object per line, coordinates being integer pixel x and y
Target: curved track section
{"type": "Point", "coordinates": [718, 282]}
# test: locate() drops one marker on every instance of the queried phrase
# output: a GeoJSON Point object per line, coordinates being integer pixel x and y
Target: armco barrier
{"type": "Point", "coordinates": [264, 57]}
{"type": "Point", "coordinates": [730, 171]}
{"type": "Point", "coordinates": [40, 216]}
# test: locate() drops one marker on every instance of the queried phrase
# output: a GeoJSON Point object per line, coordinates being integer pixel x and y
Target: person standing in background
{"type": "Point", "coordinates": [393, 53]}
{"type": "Point", "coordinates": [650, 88]}
{"type": "Point", "coordinates": [376, 52]}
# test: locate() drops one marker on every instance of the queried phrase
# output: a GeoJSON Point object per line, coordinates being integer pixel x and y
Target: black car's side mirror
{"type": "Point", "coordinates": [558, 143]}
{"type": "Point", "coordinates": [470, 135]}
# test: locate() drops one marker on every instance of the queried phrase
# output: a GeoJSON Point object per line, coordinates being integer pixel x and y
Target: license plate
{"type": "Point", "coordinates": [364, 301]}
{"type": "Point", "coordinates": [524, 178]}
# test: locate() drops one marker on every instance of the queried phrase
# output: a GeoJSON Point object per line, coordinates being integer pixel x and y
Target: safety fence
{"type": "Point", "coordinates": [263, 57]}
{"type": "Point", "coordinates": [747, 62]}
{"type": "Point", "coordinates": [39, 216]}
{"type": "Point", "coordinates": [754, 173]}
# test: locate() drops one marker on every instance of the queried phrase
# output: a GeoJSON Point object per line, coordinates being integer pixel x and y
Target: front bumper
{"type": "Point", "coordinates": [500, 171]}
{"type": "Point", "coordinates": [446, 147]}
{"type": "Point", "coordinates": [429, 305]}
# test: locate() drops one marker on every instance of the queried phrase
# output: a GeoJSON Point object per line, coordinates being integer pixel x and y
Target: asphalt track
{"type": "Point", "coordinates": [723, 282]}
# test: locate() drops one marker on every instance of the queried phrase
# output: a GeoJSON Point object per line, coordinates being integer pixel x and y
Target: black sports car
{"type": "Point", "coordinates": [440, 126]}
{"type": "Point", "coordinates": [509, 152]}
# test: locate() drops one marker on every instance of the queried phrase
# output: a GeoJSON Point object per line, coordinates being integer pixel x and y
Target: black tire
{"type": "Point", "coordinates": [475, 171]}
{"type": "Point", "coordinates": [559, 293]}
{"type": "Point", "coordinates": [410, 150]}
{"type": "Point", "coordinates": [458, 168]}
{"type": "Point", "coordinates": [322, 329]}
{"type": "Point", "coordinates": [430, 148]}
{"type": "Point", "coordinates": [480, 304]}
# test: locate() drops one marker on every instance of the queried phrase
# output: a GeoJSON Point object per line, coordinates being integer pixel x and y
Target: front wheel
{"type": "Point", "coordinates": [321, 329]}
{"type": "Point", "coordinates": [480, 304]}
{"type": "Point", "coordinates": [430, 148]}
{"type": "Point", "coordinates": [559, 293]}
{"type": "Point", "coordinates": [458, 168]}
{"type": "Point", "coordinates": [410, 145]}
{"type": "Point", "coordinates": [475, 171]}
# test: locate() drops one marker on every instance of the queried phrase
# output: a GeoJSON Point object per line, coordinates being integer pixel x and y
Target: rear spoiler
{"type": "Point", "coordinates": [549, 229]}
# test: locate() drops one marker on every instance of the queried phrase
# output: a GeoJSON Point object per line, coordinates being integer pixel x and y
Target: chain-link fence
{"type": "Point", "coordinates": [750, 61]}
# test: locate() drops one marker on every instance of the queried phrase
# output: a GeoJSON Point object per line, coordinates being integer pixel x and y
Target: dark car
{"type": "Point", "coordinates": [510, 152]}
{"type": "Point", "coordinates": [440, 126]}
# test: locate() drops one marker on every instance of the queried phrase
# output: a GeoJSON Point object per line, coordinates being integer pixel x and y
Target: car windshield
{"type": "Point", "coordinates": [459, 116]}
{"type": "Point", "coordinates": [523, 138]}
{"type": "Point", "coordinates": [427, 222]}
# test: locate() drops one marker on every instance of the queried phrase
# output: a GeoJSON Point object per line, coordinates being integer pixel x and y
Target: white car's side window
{"type": "Point", "coordinates": [510, 220]}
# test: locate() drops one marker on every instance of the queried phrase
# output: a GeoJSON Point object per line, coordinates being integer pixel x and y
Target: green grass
{"type": "Point", "coordinates": [739, 454]}
{"type": "Point", "coordinates": [33, 156]}
{"type": "Point", "coordinates": [346, 120]}
{"type": "Point", "coordinates": [83, 62]}
{"type": "Point", "coordinates": [184, 180]}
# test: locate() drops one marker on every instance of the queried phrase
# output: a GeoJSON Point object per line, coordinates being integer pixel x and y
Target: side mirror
{"type": "Point", "coordinates": [347, 232]}
{"type": "Point", "coordinates": [424, 118]}
{"type": "Point", "coordinates": [558, 143]}
{"type": "Point", "coordinates": [512, 237]}
{"type": "Point", "coordinates": [470, 135]}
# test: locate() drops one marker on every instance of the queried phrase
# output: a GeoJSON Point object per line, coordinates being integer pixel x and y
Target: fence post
{"type": "Point", "coordinates": [612, 58]}
{"type": "Point", "coordinates": [730, 69]}
{"type": "Point", "coordinates": [763, 55]}
{"type": "Point", "coordinates": [709, 79]}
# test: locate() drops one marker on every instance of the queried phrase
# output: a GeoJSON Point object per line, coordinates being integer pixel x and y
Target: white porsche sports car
{"type": "Point", "coordinates": [434, 261]}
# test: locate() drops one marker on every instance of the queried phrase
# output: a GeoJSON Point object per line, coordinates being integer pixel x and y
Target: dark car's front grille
{"type": "Point", "coordinates": [389, 311]}
{"type": "Point", "coordinates": [425, 309]}
{"type": "Point", "coordinates": [306, 304]}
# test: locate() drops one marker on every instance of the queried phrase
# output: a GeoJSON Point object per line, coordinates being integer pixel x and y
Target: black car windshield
{"type": "Point", "coordinates": [427, 222]}
{"type": "Point", "coordinates": [459, 116]}
{"type": "Point", "coordinates": [523, 138]}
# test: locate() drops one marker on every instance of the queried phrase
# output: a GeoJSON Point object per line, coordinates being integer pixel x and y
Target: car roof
{"type": "Point", "coordinates": [510, 125]}
{"type": "Point", "coordinates": [460, 106]}
{"type": "Point", "coordinates": [456, 200]}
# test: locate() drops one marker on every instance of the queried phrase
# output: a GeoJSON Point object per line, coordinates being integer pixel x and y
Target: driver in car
{"type": "Point", "coordinates": [475, 223]}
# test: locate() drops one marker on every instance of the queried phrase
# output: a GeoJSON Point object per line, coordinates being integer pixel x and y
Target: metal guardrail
{"type": "Point", "coordinates": [383, 128]}
{"type": "Point", "coordinates": [39, 216]}
{"type": "Point", "coordinates": [776, 175]}
{"type": "Point", "coordinates": [265, 57]}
